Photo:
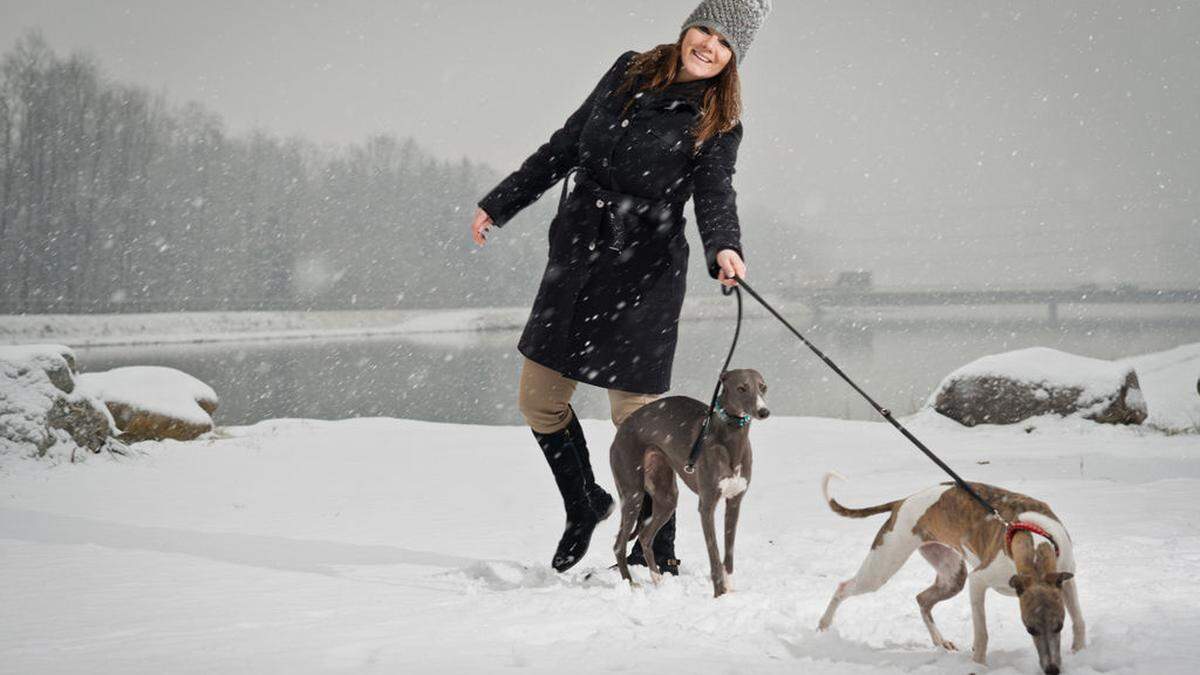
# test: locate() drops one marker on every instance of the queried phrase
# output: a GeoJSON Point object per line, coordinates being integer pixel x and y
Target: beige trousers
{"type": "Point", "coordinates": [545, 393]}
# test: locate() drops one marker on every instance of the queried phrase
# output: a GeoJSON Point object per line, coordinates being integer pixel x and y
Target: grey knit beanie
{"type": "Point", "coordinates": [737, 20]}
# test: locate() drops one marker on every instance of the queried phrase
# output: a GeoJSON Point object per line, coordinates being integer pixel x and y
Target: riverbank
{"type": "Point", "coordinates": [108, 330]}
{"type": "Point", "coordinates": [166, 328]}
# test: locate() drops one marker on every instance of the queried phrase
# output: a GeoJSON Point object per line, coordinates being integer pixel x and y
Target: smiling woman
{"type": "Point", "coordinates": [659, 128]}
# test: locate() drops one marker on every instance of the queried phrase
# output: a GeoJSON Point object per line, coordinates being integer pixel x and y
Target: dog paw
{"type": "Point", "coordinates": [656, 578]}
{"type": "Point", "coordinates": [947, 645]}
{"type": "Point", "coordinates": [729, 583]}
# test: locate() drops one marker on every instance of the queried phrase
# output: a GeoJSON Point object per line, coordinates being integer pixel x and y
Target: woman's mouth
{"type": "Point", "coordinates": [701, 58]}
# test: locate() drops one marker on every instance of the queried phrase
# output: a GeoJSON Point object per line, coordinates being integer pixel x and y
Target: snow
{"type": "Point", "coordinates": [387, 545]}
{"type": "Point", "coordinates": [1170, 382]}
{"type": "Point", "coordinates": [41, 355]}
{"type": "Point", "coordinates": [156, 389]}
{"type": "Point", "coordinates": [1095, 378]}
{"type": "Point", "coordinates": [27, 396]}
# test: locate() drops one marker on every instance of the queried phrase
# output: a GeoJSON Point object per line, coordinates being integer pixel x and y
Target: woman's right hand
{"type": "Point", "coordinates": [480, 226]}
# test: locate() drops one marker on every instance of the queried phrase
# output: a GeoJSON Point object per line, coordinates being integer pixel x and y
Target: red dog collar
{"type": "Point", "coordinates": [1013, 528]}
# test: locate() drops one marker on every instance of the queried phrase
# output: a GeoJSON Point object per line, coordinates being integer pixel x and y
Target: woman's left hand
{"type": "Point", "coordinates": [731, 264]}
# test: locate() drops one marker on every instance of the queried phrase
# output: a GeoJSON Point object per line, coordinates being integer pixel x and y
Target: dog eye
{"type": "Point", "coordinates": [1058, 628]}
{"type": "Point", "coordinates": [762, 388]}
{"type": "Point", "coordinates": [1030, 630]}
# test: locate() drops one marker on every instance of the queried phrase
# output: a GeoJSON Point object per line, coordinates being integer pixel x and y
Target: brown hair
{"type": "Point", "coordinates": [721, 106]}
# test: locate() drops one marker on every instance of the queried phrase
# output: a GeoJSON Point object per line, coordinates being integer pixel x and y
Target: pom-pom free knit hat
{"type": "Point", "coordinates": [737, 20]}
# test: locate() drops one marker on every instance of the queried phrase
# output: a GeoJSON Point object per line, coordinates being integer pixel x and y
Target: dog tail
{"type": "Point", "coordinates": [852, 513]}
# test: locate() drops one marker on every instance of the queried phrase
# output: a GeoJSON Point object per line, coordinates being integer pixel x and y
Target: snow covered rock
{"type": "Point", "coordinates": [153, 402]}
{"type": "Point", "coordinates": [42, 412]}
{"type": "Point", "coordinates": [1012, 386]}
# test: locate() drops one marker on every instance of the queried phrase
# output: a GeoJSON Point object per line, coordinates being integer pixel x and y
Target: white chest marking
{"type": "Point", "coordinates": [734, 485]}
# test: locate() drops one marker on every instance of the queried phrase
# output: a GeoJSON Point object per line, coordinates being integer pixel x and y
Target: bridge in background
{"type": "Point", "coordinates": [823, 298]}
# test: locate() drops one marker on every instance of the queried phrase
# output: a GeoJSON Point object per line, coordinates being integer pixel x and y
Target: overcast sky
{"type": "Point", "coordinates": [867, 121]}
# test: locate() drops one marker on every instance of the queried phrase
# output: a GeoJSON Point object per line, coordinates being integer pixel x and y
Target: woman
{"type": "Point", "coordinates": [659, 127]}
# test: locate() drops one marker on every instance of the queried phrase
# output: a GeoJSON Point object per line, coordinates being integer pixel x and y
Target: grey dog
{"type": "Point", "coordinates": [652, 446]}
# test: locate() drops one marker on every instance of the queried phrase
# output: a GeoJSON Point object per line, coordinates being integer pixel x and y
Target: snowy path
{"type": "Point", "coordinates": [382, 545]}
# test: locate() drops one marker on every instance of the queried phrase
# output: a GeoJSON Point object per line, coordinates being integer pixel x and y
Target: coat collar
{"type": "Point", "coordinates": [690, 94]}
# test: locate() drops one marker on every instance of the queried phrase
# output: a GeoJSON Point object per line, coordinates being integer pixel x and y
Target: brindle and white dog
{"type": "Point", "coordinates": [951, 529]}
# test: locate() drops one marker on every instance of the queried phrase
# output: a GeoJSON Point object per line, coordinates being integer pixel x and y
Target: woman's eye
{"type": "Point", "coordinates": [726, 43]}
{"type": "Point", "coordinates": [705, 30]}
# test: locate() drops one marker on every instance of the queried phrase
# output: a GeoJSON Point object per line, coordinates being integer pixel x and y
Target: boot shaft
{"type": "Point", "coordinates": [566, 452]}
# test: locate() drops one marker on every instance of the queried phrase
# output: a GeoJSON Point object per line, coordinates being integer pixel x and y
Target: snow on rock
{"type": "Point", "coordinates": [154, 402]}
{"type": "Point", "coordinates": [42, 411]}
{"type": "Point", "coordinates": [1170, 382]}
{"type": "Point", "coordinates": [1013, 386]}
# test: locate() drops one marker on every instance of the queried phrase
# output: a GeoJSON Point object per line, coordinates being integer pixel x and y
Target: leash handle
{"type": "Point", "coordinates": [887, 414]}
{"type": "Point", "coordinates": [694, 455]}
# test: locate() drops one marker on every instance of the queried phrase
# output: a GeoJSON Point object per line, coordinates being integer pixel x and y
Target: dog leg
{"type": "Point", "coordinates": [631, 507]}
{"type": "Point", "coordinates": [708, 507]}
{"type": "Point", "coordinates": [733, 507]}
{"type": "Point", "coordinates": [880, 565]}
{"type": "Point", "coordinates": [979, 620]}
{"type": "Point", "coordinates": [660, 483]}
{"type": "Point", "coordinates": [1071, 599]}
{"type": "Point", "coordinates": [951, 577]}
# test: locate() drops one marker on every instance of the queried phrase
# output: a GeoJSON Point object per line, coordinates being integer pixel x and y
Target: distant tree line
{"type": "Point", "coordinates": [112, 199]}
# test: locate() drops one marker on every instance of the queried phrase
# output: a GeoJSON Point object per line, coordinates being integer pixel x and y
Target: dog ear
{"type": "Point", "coordinates": [1058, 578]}
{"type": "Point", "coordinates": [1019, 583]}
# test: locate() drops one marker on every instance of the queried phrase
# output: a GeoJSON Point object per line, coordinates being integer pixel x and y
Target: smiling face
{"type": "Point", "coordinates": [703, 53]}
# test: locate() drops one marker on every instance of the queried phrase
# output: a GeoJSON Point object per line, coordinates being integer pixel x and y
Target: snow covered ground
{"type": "Point", "coordinates": [386, 545]}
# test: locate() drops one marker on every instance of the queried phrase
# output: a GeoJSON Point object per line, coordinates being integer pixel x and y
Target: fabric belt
{"type": "Point", "coordinates": [620, 212]}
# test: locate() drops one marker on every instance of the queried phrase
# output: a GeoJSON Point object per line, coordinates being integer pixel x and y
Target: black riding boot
{"type": "Point", "coordinates": [663, 545]}
{"type": "Point", "coordinates": [585, 502]}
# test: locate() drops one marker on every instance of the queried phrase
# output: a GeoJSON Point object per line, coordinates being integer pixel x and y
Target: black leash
{"type": "Point", "coordinates": [690, 467]}
{"type": "Point", "coordinates": [887, 414]}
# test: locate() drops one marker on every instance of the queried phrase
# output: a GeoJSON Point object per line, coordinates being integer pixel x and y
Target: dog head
{"type": "Point", "coordinates": [1042, 610]}
{"type": "Point", "coordinates": [743, 392]}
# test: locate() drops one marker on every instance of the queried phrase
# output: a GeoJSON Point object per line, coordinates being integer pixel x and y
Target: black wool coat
{"type": "Point", "coordinates": [607, 310]}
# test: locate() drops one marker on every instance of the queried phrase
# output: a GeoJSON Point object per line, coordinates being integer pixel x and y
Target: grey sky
{"type": "Point", "coordinates": [870, 125]}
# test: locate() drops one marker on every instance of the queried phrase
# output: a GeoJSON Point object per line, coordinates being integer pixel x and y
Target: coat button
{"type": "Point", "coordinates": [624, 123]}
{"type": "Point", "coordinates": [599, 203]}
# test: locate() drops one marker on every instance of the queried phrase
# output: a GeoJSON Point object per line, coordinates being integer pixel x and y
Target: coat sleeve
{"type": "Point", "coordinates": [715, 199]}
{"type": "Point", "coordinates": [552, 160]}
